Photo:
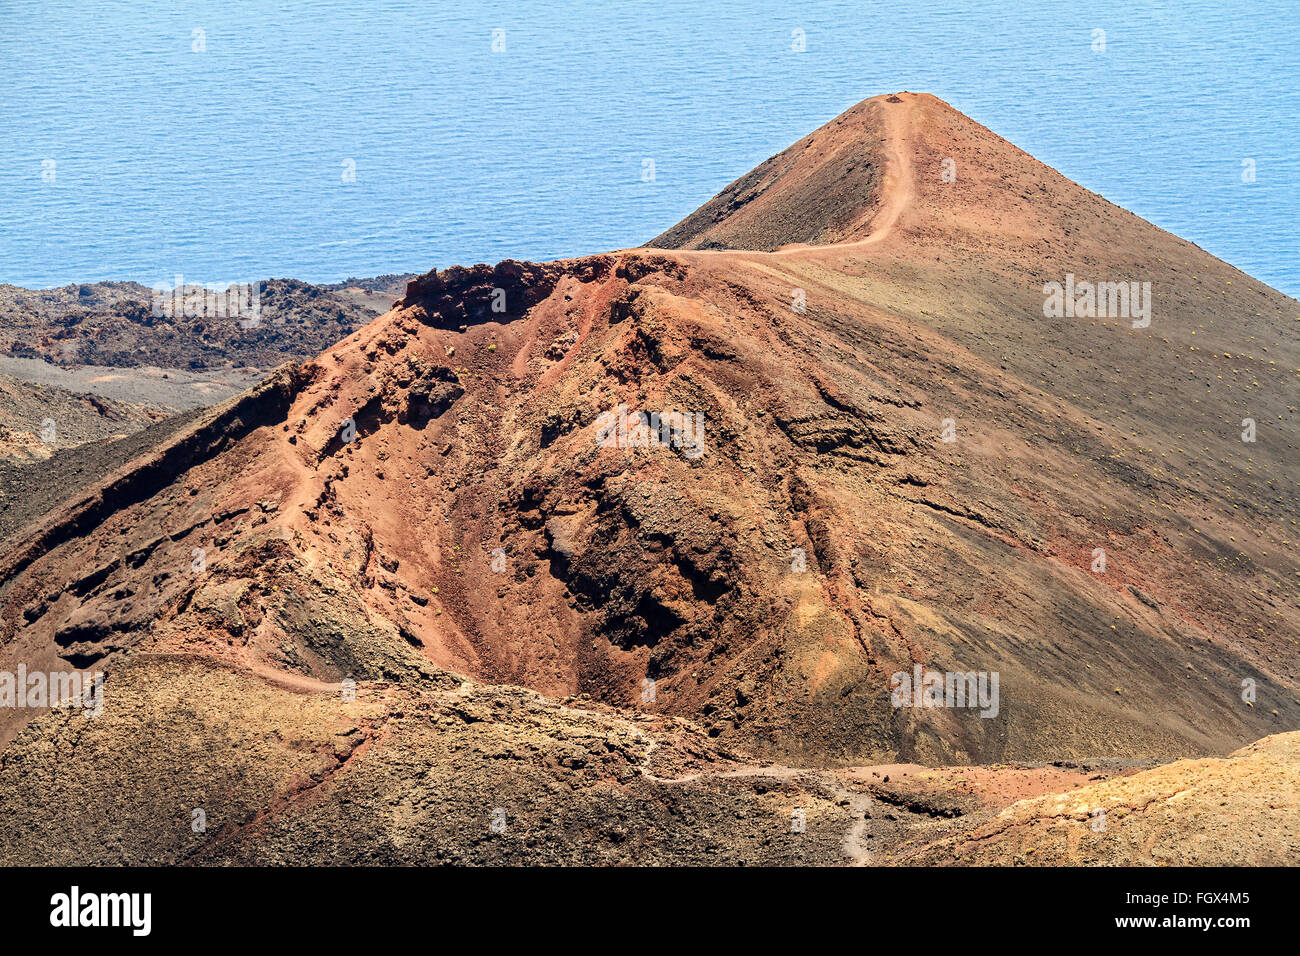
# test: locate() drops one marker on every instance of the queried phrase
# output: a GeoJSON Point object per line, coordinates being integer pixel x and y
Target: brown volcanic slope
{"type": "Point", "coordinates": [475, 433]}
{"type": "Point", "coordinates": [823, 189]}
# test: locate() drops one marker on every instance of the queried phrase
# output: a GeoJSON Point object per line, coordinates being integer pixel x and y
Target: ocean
{"type": "Point", "coordinates": [233, 141]}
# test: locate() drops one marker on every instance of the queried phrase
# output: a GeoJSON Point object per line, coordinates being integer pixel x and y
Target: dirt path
{"type": "Point", "coordinates": [898, 190]}
{"type": "Point", "coordinates": [860, 804]}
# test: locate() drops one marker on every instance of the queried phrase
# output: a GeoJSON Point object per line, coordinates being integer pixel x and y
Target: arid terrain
{"type": "Point", "coordinates": [431, 592]}
{"type": "Point", "coordinates": [118, 324]}
{"type": "Point", "coordinates": [102, 360]}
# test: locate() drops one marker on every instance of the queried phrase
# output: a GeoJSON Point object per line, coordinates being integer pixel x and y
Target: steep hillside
{"type": "Point", "coordinates": [833, 186]}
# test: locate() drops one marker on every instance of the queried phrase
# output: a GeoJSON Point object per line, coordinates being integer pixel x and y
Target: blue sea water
{"type": "Point", "coordinates": [228, 162]}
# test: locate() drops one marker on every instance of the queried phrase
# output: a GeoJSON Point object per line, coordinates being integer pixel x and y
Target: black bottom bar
{"type": "Point", "coordinates": [333, 906]}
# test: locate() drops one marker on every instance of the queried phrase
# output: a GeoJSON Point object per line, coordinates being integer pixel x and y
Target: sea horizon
{"type": "Point", "coordinates": [488, 133]}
